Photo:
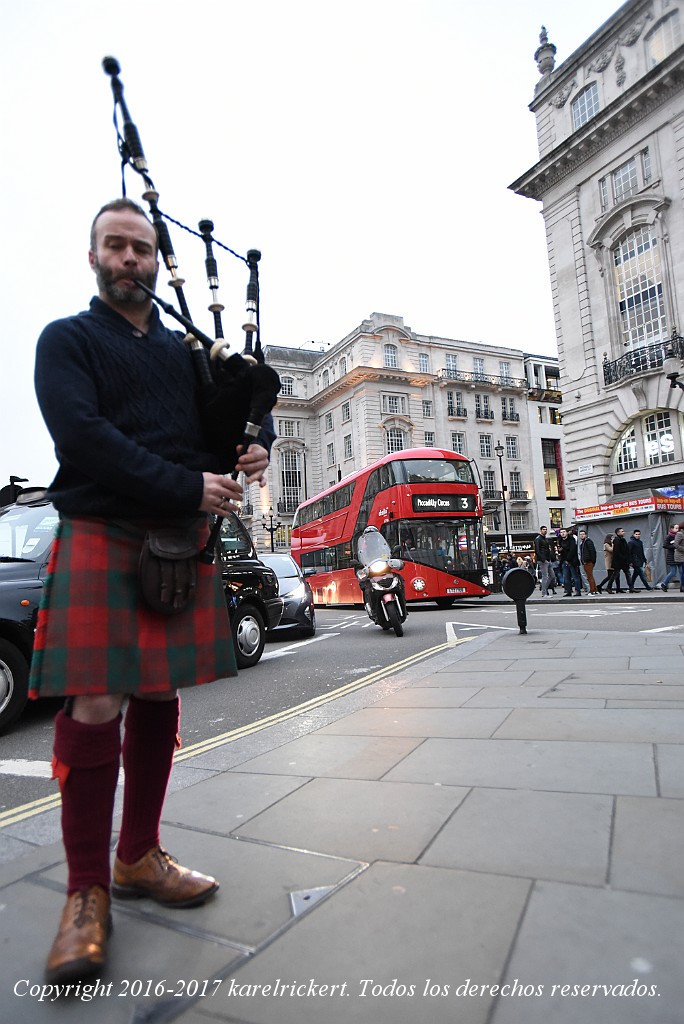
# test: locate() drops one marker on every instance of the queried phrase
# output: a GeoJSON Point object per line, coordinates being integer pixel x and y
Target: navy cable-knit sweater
{"type": "Point", "coordinates": [122, 410]}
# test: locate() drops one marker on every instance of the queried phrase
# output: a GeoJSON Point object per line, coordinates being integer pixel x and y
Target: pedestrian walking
{"type": "Point", "coordinates": [569, 560]}
{"type": "Point", "coordinates": [637, 560]}
{"type": "Point", "coordinates": [679, 555]}
{"type": "Point", "coordinates": [668, 546]}
{"type": "Point", "coordinates": [119, 396]}
{"type": "Point", "coordinates": [608, 561]}
{"type": "Point", "coordinates": [587, 557]}
{"type": "Point", "coordinates": [621, 559]}
{"type": "Point", "coordinates": [543, 558]}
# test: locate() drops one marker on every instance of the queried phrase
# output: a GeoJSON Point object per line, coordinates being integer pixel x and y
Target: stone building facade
{"type": "Point", "coordinates": [386, 388]}
{"type": "Point", "coordinates": [610, 176]}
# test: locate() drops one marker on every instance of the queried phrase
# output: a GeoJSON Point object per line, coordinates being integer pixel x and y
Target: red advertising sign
{"type": "Point", "coordinates": [633, 507]}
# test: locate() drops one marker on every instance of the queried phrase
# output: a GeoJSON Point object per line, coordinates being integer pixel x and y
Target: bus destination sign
{"type": "Point", "coordinates": [443, 502]}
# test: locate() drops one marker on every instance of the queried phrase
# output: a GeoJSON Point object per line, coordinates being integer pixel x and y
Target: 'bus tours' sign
{"type": "Point", "coordinates": [633, 507]}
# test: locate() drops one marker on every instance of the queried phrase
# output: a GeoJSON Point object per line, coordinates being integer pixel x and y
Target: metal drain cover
{"type": "Point", "coordinates": [302, 899]}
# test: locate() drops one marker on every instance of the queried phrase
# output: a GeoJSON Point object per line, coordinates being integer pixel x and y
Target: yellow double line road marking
{"type": "Point", "coordinates": [50, 803]}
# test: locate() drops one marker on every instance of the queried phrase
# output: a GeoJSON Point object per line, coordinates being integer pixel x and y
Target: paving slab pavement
{"type": "Point", "coordinates": [485, 838]}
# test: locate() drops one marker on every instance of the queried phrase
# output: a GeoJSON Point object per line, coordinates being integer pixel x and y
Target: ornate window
{"type": "Point", "coordinates": [348, 451]}
{"type": "Point", "coordinates": [663, 39]}
{"type": "Point", "coordinates": [391, 356]}
{"type": "Point", "coordinates": [423, 362]}
{"type": "Point", "coordinates": [454, 403]}
{"type": "Point", "coordinates": [585, 106]}
{"type": "Point", "coordinates": [330, 451]}
{"type": "Point", "coordinates": [396, 440]}
{"type": "Point", "coordinates": [325, 379]}
{"type": "Point", "coordinates": [485, 446]}
{"type": "Point", "coordinates": [429, 440]}
{"type": "Point", "coordinates": [343, 366]}
{"type": "Point", "coordinates": [626, 452]}
{"type": "Point", "coordinates": [478, 367]}
{"type": "Point", "coordinates": [346, 412]}
{"type": "Point", "coordinates": [328, 421]}
{"type": "Point", "coordinates": [427, 408]}
{"type": "Point", "coordinates": [287, 386]}
{"type": "Point", "coordinates": [639, 288]}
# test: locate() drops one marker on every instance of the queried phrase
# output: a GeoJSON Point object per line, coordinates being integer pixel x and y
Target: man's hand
{"type": "Point", "coordinates": [219, 493]}
{"type": "Point", "coordinates": [253, 463]}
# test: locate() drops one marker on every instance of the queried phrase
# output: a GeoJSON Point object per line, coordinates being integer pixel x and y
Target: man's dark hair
{"type": "Point", "coordinates": [117, 204]}
{"type": "Point", "coordinates": [543, 528]}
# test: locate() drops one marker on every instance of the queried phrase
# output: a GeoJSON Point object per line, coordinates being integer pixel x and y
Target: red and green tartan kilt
{"type": "Point", "coordinates": [94, 635]}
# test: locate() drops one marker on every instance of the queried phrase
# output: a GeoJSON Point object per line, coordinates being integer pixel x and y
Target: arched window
{"type": "Point", "coordinates": [396, 440]}
{"type": "Point", "coordinates": [655, 439]}
{"type": "Point", "coordinates": [663, 39]}
{"type": "Point", "coordinates": [287, 385]}
{"type": "Point", "coordinates": [391, 356]}
{"type": "Point", "coordinates": [325, 379]}
{"type": "Point", "coordinates": [639, 288]}
{"type": "Point", "coordinates": [343, 366]}
{"type": "Point", "coordinates": [585, 106]}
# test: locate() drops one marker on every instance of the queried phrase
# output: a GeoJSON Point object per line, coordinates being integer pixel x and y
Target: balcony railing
{"type": "Point", "coordinates": [489, 495]}
{"type": "Point", "coordinates": [484, 414]}
{"type": "Point", "coordinates": [519, 495]}
{"type": "Point", "coordinates": [287, 508]}
{"type": "Point", "coordinates": [511, 417]}
{"type": "Point", "coordinates": [468, 377]}
{"type": "Point", "coordinates": [458, 412]}
{"type": "Point", "coordinates": [641, 360]}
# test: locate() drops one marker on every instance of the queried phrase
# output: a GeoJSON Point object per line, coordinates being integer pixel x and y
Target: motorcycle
{"type": "Point", "coordinates": [380, 582]}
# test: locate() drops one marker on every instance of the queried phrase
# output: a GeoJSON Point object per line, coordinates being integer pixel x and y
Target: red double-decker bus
{"type": "Point", "coordinates": [425, 501]}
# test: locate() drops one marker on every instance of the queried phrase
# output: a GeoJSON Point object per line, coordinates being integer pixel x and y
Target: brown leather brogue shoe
{"type": "Point", "coordinates": [158, 876]}
{"type": "Point", "coordinates": [80, 946]}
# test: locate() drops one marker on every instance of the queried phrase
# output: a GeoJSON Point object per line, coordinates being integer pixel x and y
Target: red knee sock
{"type": "Point", "coordinates": [86, 763]}
{"type": "Point", "coordinates": [149, 741]}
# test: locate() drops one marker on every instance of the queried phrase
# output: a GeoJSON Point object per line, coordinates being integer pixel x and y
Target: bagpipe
{"type": "Point", "coordinates": [236, 391]}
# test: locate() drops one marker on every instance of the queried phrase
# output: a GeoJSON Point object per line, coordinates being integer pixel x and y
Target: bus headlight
{"type": "Point", "coordinates": [419, 584]}
{"type": "Point", "coordinates": [485, 581]}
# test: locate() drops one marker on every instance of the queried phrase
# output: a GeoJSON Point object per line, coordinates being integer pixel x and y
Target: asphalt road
{"type": "Point", "coordinates": [347, 650]}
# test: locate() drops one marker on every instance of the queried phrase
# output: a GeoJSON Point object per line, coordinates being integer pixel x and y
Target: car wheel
{"type": "Point", "coordinates": [14, 672]}
{"type": "Point", "coordinates": [309, 630]}
{"type": "Point", "coordinates": [249, 635]}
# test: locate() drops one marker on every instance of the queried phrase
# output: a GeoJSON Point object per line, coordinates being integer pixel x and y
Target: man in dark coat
{"type": "Point", "coordinates": [569, 560]}
{"type": "Point", "coordinates": [637, 559]}
{"type": "Point", "coordinates": [621, 559]}
{"type": "Point", "coordinates": [587, 556]}
{"type": "Point", "coordinates": [543, 556]}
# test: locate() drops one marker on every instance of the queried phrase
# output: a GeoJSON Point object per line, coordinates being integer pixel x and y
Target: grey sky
{"type": "Point", "coordinates": [364, 147]}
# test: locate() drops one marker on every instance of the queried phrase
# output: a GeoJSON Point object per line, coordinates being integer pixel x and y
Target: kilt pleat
{"type": "Point", "coordinates": [94, 635]}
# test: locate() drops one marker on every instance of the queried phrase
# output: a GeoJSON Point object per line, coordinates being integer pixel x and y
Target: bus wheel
{"type": "Point", "coordinates": [444, 602]}
{"type": "Point", "coordinates": [395, 621]}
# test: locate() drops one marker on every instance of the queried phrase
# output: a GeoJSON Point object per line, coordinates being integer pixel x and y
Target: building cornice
{"type": "Point", "coordinates": [646, 95]}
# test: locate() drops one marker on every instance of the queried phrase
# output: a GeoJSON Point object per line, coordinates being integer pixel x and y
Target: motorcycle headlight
{"type": "Point", "coordinates": [419, 584]}
{"type": "Point", "coordinates": [378, 567]}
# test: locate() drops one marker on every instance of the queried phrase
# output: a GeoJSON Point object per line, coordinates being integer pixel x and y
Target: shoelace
{"type": "Point", "coordinates": [85, 910]}
{"type": "Point", "coordinates": [165, 858]}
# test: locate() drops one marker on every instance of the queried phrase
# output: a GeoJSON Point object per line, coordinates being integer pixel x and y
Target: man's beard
{"type": "Point", "coordinates": [126, 294]}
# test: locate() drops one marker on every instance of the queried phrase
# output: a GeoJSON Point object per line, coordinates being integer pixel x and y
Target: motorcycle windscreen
{"type": "Point", "coordinates": [372, 545]}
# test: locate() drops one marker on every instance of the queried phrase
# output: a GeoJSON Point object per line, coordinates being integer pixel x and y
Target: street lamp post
{"type": "Point", "coordinates": [499, 452]}
{"type": "Point", "coordinates": [271, 527]}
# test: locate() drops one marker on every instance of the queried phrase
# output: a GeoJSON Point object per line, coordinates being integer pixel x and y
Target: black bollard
{"type": "Point", "coordinates": [518, 584]}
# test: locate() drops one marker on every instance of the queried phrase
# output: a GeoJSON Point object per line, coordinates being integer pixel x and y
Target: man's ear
{"type": "Point", "coordinates": [91, 259]}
